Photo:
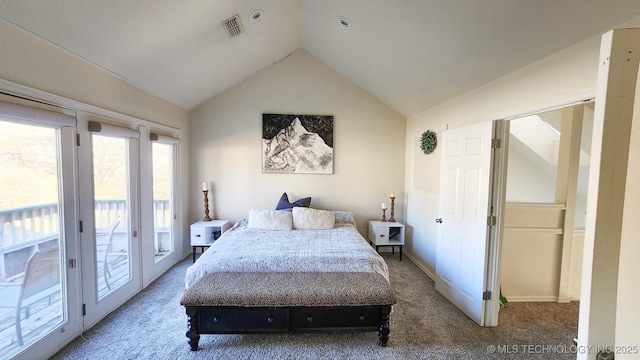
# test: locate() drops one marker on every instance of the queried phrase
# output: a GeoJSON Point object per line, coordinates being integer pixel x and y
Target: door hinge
{"type": "Point", "coordinates": [491, 220]}
{"type": "Point", "coordinates": [486, 295]}
{"type": "Point", "coordinates": [496, 143]}
{"type": "Point", "coordinates": [77, 139]}
{"type": "Point", "coordinates": [84, 309]}
{"type": "Point", "coordinates": [72, 263]}
{"type": "Point", "coordinates": [81, 226]}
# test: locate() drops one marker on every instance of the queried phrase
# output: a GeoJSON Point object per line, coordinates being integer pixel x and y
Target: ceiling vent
{"type": "Point", "coordinates": [233, 26]}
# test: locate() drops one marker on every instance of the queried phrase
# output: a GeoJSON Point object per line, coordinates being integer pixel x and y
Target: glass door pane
{"type": "Point", "coordinates": [32, 301]}
{"type": "Point", "coordinates": [111, 204]}
{"type": "Point", "coordinates": [162, 155]}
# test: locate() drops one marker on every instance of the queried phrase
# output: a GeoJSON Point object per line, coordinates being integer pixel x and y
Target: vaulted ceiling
{"type": "Point", "coordinates": [410, 54]}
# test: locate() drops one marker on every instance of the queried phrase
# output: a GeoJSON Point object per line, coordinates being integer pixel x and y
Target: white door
{"type": "Point", "coordinates": [160, 246]}
{"type": "Point", "coordinates": [465, 181]}
{"type": "Point", "coordinates": [109, 211]}
{"type": "Point", "coordinates": [39, 292]}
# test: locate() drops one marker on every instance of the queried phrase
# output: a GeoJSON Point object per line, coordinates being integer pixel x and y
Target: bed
{"type": "Point", "coordinates": [314, 274]}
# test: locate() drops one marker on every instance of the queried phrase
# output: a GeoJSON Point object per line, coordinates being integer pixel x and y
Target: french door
{"type": "Point", "coordinates": [38, 238]}
{"type": "Point", "coordinates": [162, 160]}
{"type": "Point", "coordinates": [109, 176]}
{"type": "Point", "coordinates": [158, 167]}
{"type": "Point", "coordinates": [85, 206]}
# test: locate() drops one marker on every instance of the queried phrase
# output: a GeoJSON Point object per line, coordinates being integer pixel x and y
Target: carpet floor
{"type": "Point", "coordinates": [424, 325]}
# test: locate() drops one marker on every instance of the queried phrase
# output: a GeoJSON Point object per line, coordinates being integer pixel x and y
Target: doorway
{"type": "Point", "coordinates": [544, 216]}
{"type": "Point", "coordinates": [537, 247]}
{"type": "Point", "coordinates": [546, 197]}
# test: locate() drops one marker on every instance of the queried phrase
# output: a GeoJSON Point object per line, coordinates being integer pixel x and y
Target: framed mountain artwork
{"type": "Point", "coordinates": [297, 144]}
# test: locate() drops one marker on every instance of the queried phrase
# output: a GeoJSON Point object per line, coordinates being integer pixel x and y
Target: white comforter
{"type": "Point", "coordinates": [241, 249]}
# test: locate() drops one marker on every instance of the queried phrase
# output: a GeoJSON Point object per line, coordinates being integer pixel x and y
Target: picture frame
{"type": "Point", "coordinates": [297, 144]}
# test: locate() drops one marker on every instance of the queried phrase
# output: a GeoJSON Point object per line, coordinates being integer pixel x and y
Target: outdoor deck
{"type": "Point", "coordinates": [45, 316]}
{"type": "Point", "coordinates": [36, 228]}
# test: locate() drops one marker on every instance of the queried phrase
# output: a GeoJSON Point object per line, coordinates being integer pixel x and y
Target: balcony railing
{"type": "Point", "coordinates": [20, 225]}
{"type": "Point", "coordinates": [22, 230]}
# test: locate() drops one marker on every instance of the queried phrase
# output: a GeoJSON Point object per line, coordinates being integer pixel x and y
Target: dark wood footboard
{"type": "Point", "coordinates": [244, 320]}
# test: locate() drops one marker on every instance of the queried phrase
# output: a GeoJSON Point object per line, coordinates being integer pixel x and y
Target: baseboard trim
{"type": "Point", "coordinates": [540, 299]}
{"type": "Point", "coordinates": [531, 298]}
{"type": "Point", "coordinates": [432, 276]}
{"type": "Point", "coordinates": [420, 266]}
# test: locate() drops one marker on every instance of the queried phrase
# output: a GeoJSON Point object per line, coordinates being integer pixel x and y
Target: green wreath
{"type": "Point", "coordinates": [428, 142]}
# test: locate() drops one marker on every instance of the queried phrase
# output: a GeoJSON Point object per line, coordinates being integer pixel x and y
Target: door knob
{"type": "Point", "coordinates": [439, 220]}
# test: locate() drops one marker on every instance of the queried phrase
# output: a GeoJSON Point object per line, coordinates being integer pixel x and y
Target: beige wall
{"type": "Point", "coordinates": [530, 269]}
{"type": "Point", "coordinates": [35, 63]}
{"type": "Point", "coordinates": [226, 144]}
{"type": "Point", "coordinates": [532, 259]}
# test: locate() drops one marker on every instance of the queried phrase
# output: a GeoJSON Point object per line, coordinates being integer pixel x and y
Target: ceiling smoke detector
{"type": "Point", "coordinates": [256, 15]}
{"type": "Point", "coordinates": [233, 26]}
{"type": "Point", "coordinates": [344, 22]}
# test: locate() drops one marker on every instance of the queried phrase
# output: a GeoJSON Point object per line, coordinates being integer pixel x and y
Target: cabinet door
{"type": "Point", "coordinates": [382, 235]}
{"type": "Point", "coordinates": [202, 235]}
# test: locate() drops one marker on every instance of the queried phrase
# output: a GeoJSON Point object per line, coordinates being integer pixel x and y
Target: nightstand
{"type": "Point", "coordinates": [385, 233]}
{"type": "Point", "coordinates": [204, 233]}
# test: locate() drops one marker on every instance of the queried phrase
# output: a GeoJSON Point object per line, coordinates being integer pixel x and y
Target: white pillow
{"type": "Point", "coordinates": [312, 219]}
{"type": "Point", "coordinates": [265, 219]}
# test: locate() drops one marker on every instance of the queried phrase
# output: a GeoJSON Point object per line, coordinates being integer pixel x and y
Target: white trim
{"type": "Point", "coordinates": [12, 88]}
{"type": "Point", "coordinates": [515, 299]}
{"type": "Point", "coordinates": [607, 310]}
{"type": "Point", "coordinates": [495, 234]}
{"type": "Point", "coordinates": [578, 97]}
{"type": "Point", "coordinates": [419, 265]}
{"type": "Point", "coordinates": [550, 231]}
{"type": "Point", "coordinates": [532, 205]}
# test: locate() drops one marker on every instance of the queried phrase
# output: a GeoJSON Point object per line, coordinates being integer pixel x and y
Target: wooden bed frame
{"type": "Point", "coordinates": [240, 303]}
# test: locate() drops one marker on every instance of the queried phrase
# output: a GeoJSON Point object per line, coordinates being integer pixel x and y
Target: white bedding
{"type": "Point", "coordinates": [341, 249]}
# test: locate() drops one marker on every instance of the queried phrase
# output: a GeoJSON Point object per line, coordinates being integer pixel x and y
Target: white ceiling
{"type": "Point", "coordinates": [410, 54]}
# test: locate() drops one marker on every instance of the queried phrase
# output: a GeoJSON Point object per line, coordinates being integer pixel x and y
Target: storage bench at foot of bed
{"type": "Point", "coordinates": [242, 320]}
{"type": "Point", "coordinates": [238, 303]}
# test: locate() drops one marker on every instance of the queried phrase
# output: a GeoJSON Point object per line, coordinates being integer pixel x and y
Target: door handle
{"type": "Point", "coordinates": [439, 220]}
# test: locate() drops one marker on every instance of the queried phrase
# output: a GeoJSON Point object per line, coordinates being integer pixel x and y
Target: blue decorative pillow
{"type": "Point", "coordinates": [284, 204]}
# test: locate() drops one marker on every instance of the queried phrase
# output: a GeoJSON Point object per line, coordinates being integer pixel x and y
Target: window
{"type": "Point", "coordinates": [162, 155]}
